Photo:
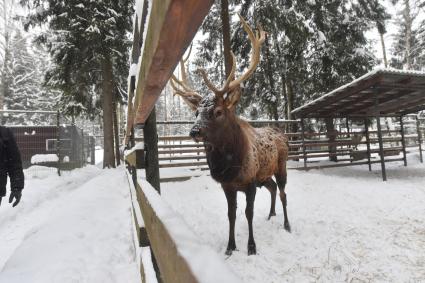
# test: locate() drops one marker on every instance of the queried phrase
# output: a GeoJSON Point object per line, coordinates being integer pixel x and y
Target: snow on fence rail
{"type": "Point", "coordinates": [179, 254]}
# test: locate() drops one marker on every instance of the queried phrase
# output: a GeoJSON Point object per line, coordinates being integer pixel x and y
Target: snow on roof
{"type": "Point", "coordinates": [375, 72]}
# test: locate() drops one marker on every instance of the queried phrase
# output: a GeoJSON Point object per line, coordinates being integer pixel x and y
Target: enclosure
{"type": "Point", "coordinates": [49, 139]}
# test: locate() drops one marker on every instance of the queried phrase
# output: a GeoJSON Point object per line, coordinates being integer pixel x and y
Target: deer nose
{"type": "Point", "coordinates": [195, 132]}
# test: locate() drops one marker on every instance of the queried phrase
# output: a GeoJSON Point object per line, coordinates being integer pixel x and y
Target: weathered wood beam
{"type": "Point", "coordinates": [375, 80]}
{"type": "Point", "coordinates": [384, 100]}
{"type": "Point", "coordinates": [172, 26]}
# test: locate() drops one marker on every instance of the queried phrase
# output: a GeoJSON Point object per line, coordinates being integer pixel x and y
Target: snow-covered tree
{"type": "Point", "coordinates": [312, 47]}
{"type": "Point", "coordinates": [89, 43]}
{"type": "Point", "coordinates": [22, 80]}
{"type": "Point", "coordinates": [407, 49]}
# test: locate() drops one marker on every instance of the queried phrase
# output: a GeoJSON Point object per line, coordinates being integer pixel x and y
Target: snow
{"type": "Point", "coordinates": [150, 275]}
{"type": "Point", "coordinates": [321, 36]}
{"type": "Point", "coordinates": [198, 256]}
{"type": "Point", "coordinates": [73, 228]}
{"type": "Point", "coordinates": [347, 225]}
{"type": "Point", "coordinates": [378, 70]}
{"type": "Point", "coordinates": [42, 158]}
{"type": "Point", "coordinates": [133, 70]}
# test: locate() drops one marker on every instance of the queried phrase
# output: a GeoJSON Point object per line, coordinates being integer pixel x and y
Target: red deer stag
{"type": "Point", "coordinates": [240, 157]}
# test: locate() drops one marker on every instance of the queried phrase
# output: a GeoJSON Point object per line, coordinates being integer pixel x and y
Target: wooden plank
{"type": "Point", "coordinates": [323, 102]}
{"type": "Point", "coordinates": [172, 26]}
{"type": "Point", "coordinates": [199, 145]}
{"type": "Point", "coordinates": [171, 257]}
{"type": "Point", "coordinates": [184, 157]}
{"type": "Point", "coordinates": [194, 150]}
{"type": "Point", "coordinates": [184, 164]}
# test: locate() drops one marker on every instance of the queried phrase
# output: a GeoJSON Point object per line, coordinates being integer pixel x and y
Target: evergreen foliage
{"type": "Point", "coordinates": [312, 47]}
{"type": "Point", "coordinates": [22, 80]}
{"type": "Point", "coordinates": [81, 34]}
{"type": "Point", "coordinates": [89, 43]}
{"type": "Point", "coordinates": [407, 52]}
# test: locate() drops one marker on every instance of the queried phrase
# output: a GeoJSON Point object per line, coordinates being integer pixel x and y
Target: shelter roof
{"type": "Point", "coordinates": [391, 92]}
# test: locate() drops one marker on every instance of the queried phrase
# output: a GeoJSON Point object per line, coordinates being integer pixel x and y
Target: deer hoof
{"type": "Point", "coordinates": [230, 249]}
{"type": "Point", "coordinates": [252, 250]}
{"type": "Point", "coordinates": [271, 214]}
{"type": "Point", "coordinates": [287, 226]}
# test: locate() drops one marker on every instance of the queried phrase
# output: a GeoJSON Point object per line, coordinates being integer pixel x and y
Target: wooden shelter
{"type": "Point", "coordinates": [379, 93]}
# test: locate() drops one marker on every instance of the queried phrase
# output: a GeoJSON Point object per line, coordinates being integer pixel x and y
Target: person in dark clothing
{"type": "Point", "coordinates": [10, 164]}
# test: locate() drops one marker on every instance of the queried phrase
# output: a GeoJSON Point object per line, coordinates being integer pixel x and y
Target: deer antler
{"type": "Point", "coordinates": [256, 40]}
{"type": "Point", "coordinates": [182, 87]}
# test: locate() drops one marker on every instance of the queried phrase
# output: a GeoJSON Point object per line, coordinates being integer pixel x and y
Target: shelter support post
{"type": "Point", "coordinates": [403, 141]}
{"type": "Point", "coordinates": [381, 146]}
{"type": "Point", "coordinates": [58, 140]}
{"type": "Point", "coordinates": [347, 126]}
{"type": "Point", "coordinates": [303, 141]}
{"type": "Point", "coordinates": [418, 130]}
{"type": "Point", "coordinates": [366, 126]}
{"type": "Point", "coordinates": [151, 147]}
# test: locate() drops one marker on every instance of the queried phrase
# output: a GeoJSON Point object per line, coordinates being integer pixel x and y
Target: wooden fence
{"type": "Point", "coordinates": [352, 147]}
{"type": "Point", "coordinates": [177, 254]}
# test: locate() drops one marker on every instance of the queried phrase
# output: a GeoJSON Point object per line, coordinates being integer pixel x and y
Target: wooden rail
{"type": "Point", "coordinates": [180, 256]}
{"type": "Point", "coordinates": [175, 149]}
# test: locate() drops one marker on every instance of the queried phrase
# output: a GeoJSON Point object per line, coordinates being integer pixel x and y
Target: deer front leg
{"type": "Point", "coordinates": [231, 213]}
{"type": "Point", "coordinates": [249, 213]}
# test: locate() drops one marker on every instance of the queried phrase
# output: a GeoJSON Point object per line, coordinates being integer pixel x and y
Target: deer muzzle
{"type": "Point", "coordinates": [196, 134]}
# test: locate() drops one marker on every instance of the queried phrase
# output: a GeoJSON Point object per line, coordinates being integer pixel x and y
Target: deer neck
{"type": "Point", "coordinates": [225, 153]}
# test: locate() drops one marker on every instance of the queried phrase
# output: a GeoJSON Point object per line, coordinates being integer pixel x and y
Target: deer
{"type": "Point", "coordinates": [239, 156]}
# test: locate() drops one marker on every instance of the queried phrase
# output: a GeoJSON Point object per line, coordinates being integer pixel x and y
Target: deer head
{"type": "Point", "coordinates": [215, 113]}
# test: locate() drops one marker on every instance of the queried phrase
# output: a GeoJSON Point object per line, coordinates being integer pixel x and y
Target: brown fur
{"type": "Point", "coordinates": [241, 158]}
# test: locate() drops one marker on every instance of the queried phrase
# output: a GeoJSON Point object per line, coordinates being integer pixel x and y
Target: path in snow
{"type": "Point", "coordinates": [347, 225]}
{"type": "Point", "coordinates": [74, 228]}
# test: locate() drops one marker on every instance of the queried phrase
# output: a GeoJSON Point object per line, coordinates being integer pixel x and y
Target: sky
{"type": "Point", "coordinates": [391, 30]}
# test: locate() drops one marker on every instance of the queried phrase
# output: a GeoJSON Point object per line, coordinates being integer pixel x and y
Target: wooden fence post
{"type": "Point", "coordinates": [303, 142]}
{"type": "Point", "coordinates": [367, 143]}
{"type": "Point", "coordinates": [151, 147]}
{"type": "Point", "coordinates": [403, 141]}
{"type": "Point", "coordinates": [58, 141]}
{"type": "Point", "coordinates": [381, 146]}
{"type": "Point", "coordinates": [418, 131]}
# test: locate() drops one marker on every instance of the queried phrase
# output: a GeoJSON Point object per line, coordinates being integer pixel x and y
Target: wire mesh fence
{"type": "Point", "coordinates": [46, 139]}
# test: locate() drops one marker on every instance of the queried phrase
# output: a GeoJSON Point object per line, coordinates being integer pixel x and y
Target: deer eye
{"type": "Point", "coordinates": [218, 113]}
{"type": "Point", "coordinates": [196, 113]}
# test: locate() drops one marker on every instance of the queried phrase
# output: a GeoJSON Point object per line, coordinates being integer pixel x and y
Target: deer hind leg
{"type": "Point", "coordinates": [231, 213]}
{"type": "Point", "coordinates": [272, 187]}
{"type": "Point", "coordinates": [281, 183]}
{"type": "Point", "coordinates": [249, 213]}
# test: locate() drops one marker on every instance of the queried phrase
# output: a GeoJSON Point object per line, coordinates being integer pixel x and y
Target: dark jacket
{"type": "Point", "coordinates": [10, 162]}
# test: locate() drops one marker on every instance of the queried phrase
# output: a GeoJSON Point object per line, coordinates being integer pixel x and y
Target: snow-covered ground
{"type": "Point", "coordinates": [347, 225]}
{"type": "Point", "coordinates": [73, 228]}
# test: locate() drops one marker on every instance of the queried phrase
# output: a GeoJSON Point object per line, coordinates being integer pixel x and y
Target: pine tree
{"type": "Point", "coordinates": [406, 53]}
{"type": "Point", "coordinates": [88, 41]}
{"type": "Point", "coordinates": [23, 87]}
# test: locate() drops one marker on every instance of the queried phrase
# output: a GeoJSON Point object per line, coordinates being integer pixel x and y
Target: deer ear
{"type": "Point", "coordinates": [233, 98]}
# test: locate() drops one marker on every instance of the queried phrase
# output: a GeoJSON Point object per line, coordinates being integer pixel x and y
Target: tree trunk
{"type": "Point", "coordinates": [226, 36]}
{"type": "Point", "coordinates": [116, 130]}
{"type": "Point", "coordinates": [290, 98]}
{"type": "Point", "coordinates": [384, 52]}
{"type": "Point", "coordinates": [107, 101]}
{"type": "Point", "coordinates": [408, 19]}
{"type": "Point", "coordinates": [274, 104]}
